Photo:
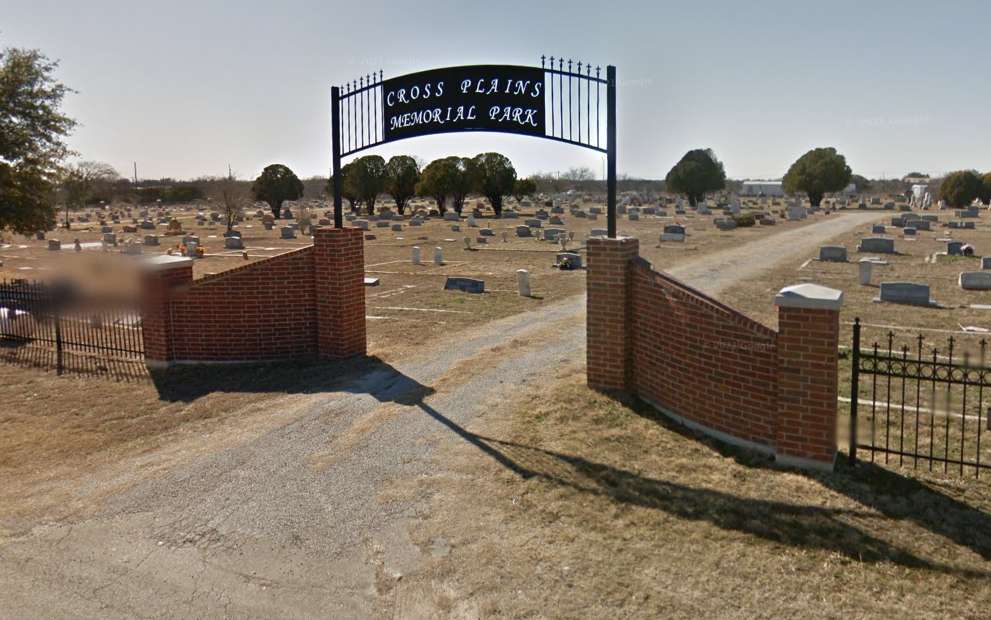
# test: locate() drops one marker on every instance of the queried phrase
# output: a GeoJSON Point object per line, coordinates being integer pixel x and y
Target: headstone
{"type": "Point", "coordinates": [467, 285]}
{"type": "Point", "coordinates": [361, 224]}
{"type": "Point", "coordinates": [909, 231]}
{"type": "Point", "coordinates": [438, 255]}
{"type": "Point", "coordinates": [879, 245]}
{"type": "Point", "coordinates": [54, 245]}
{"type": "Point", "coordinates": [287, 232]}
{"type": "Point", "coordinates": [523, 231]}
{"type": "Point", "coordinates": [725, 223]}
{"type": "Point", "coordinates": [954, 248]}
{"type": "Point", "coordinates": [151, 240]}
{"type": "Point", "coordinates": [906, 293]}
{"type": "Point", "coordinates": [523, 282]}
{"type": "Point", "coordinates": [486, 232]}
{"type": "Point", "coordinates": [866, 268]}
{"type": "Point", "coordinates": [534, 223]}
{"type": "Point", "coordinates": [110, 238]}
{"type": "Point", "coordinates": [397, 228]}
{"type": "Point", "coordinates": [416, 259]}
{"type": "Point", "coordinates": [673, 232]}
{"type": "Point", "coordinates": [832, 253]}
{"type": "Point", "coordinates": [568, 260]}
{"type": "Point", "coordinates": [986, 262]}
{"type": "Point", "coordinates": [233, 243]}
{"type": "Point", "coordinates": [975, 280]}
{"type": "Point", "coordinates": [598, 232]}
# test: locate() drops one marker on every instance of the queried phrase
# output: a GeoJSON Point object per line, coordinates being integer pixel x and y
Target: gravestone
{"type": "Point", "coordinates": [673, 232]}
{"type": "Point", "coordinates": [533, 223]}
{"type": "Point", "coordinates": [438, 255]}
{"type": "Point", "coordinates": [986, 262]}
{"type": "Point", "coordinates": [397, 228]}
{"type": "Point", "coordinates": [110, 238]}
{"type": "Point", "coordinates": [954, 248]}
{"type": "Point", "coordinates": [361, 224]}
{"type": "Point", "coordinates": [833, 253]}
{"type": "Point", "coordinates": [598, 232]}
{"type": "Point", "coordinates": [975, 280]}
{"type": "Point", "coordinates": [725, 223]}
{"type": "Point", "coordinates": [877, 229]}
{"type": "Point", "coordinates": [879, 245]}
{"type": "Point", "coordinates": [233, 243]}
{"type": "Point", "coordinates": [486, 232]}
{"type": "Point", "coordinates": [866, 268]}
{"type": "Point", "coordinates": [551, 234]}
{"type": "Point", "coordinates": [555, 221]}
{"type": "Point", "coordinates": [523, 231]}
{"type": "Point", "coordinates": [287, 232]}
{"type": "Point", "coordinates": [466, 285]}
{"type": "Point", "coordinates": [523, 282]}
{"type": "Point", "coordinates": [151, 240]}
{"type": "Point", "coordinates": [54, 245]}
{"type": "Point", "coordinates": [907, 293]}
{"type": "Point", "coordinates": [568, 260]}
{"type": "Point", "coordinates": [908, 231]}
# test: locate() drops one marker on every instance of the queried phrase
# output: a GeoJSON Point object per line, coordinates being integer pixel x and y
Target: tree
{"type": "Point", "coordinates": [462, 181]}
{"type": "Point", "coordinates": [960, 188]}
{"type": "Point", "coordinates": [816, 173]}
{"type": "Point", "coordinates": [698, 172]}
{"type": "Point", "coordinates": [986, 195]}
{"type": "Point", "coordinates": [861, 183]}
{"type": "Point", "coordinates": [276, 184]}
{"type": "Point", "coordinates": [32, 139]}
{"type": "Point", "coordinates": [402, 173]}
{"type": "Point", "coordinates": [523, 188]}
{"type": "Point", "coordinates": [494, 177]}
{"type": "Point", "coordinates": [79, 182]}
{"type": "Point", "coordinates": [367, 177]}
{"type": "Point", "coordinates": [347, 187]}
{"type": "Point", "coordinates": [437, 181]}
{"type": "Point", "coordinates": [233, 197]}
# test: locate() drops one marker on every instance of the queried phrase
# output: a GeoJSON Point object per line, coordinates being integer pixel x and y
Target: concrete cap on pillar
{"type": "Point", "coordinates": [159, 263]}
{"type": "Point", "coordinates": [810, 296]}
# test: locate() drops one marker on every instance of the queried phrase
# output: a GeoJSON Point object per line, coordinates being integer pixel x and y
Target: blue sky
{"type": "Point", "coordinates": [184, 88]}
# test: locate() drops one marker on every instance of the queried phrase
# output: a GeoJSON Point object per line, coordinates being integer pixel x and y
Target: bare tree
{"type": "Point", "coordinates": [233, 197]}
{"type": "Point", "coordinates": [81, 181]}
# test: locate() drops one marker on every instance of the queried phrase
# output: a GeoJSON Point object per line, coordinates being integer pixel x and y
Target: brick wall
{"type": "Point", "coordinates": [303, 304]}
{"type": "Point", "coordinates": [701, 359]}
{"type": "Point", "coordinates": [710, 366]}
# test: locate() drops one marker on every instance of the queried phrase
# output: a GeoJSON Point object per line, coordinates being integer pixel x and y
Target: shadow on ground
{"type": "Point", "coordinates": [884, 494]}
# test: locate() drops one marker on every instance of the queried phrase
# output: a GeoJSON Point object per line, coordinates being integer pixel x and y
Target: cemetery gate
{"type": "Point", "coordinates": [916, 404]}
{"type": "Point", "coordinates": [54, 327]}
{"type": "Point", "coordinates": [560, 100]}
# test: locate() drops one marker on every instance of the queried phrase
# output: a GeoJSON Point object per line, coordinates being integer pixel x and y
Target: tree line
{"type": "Point", "coordinates": [818, 172]}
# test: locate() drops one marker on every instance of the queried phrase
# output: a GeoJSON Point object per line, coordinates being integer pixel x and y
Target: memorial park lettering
{"type": "Point", "coordinates": [473, 98]}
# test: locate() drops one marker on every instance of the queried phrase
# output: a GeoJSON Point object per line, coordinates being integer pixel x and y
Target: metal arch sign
{"type": "Point", "coordinates": [554, 102]}
{"type": "Point", "coordinates": [501, 98]}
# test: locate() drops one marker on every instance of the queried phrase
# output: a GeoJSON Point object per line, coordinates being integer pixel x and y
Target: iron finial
{"type": "Point", "coordinates": [543, 60]}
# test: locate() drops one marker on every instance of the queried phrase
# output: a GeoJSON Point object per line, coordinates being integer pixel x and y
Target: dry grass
{"type": "Point", "coordinates": [621, 514]}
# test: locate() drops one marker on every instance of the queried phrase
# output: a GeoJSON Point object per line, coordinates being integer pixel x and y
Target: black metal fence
{"type": "Point", "coordinates": [920, 405]}
{"type": "Point", "coordinates": [53, 327]}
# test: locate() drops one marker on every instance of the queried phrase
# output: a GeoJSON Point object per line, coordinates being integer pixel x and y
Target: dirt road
{"type": "Point", "coordinates": [309, 519]}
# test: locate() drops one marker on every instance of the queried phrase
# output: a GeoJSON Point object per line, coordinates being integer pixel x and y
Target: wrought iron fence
{"type": "Point", "coordinates": [54, 327]}
{"type": "Point", "coordinates": [920, 404]}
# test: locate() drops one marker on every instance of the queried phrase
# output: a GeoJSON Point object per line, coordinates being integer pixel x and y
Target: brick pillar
{"type": "Point", "coordinates": [161, 277]}
{"type": "Point", "coordinates": [808, 374]}
{"type": "Point", "coordinates": [339, 260]}
{"type": "Point", "coordinates": [608, 338]}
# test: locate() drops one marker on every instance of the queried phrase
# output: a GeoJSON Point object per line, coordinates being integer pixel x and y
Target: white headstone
{"type": "Point", "coordinates": [438, 256]}
{"type": "Point", "coordinates": [523, 282]}
{"type": "Point", "coordinates": [416, 255]}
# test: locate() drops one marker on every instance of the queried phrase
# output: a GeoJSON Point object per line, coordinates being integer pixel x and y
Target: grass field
{"type": "Point", "coordinates": [622, 514]}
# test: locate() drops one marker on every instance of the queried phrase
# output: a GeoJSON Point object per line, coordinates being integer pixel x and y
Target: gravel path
{"type": "Point", "coordinates": [309, 519]}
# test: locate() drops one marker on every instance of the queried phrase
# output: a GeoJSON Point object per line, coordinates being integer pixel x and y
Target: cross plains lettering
{"type": "Point", "coordinates": [475, 98]}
